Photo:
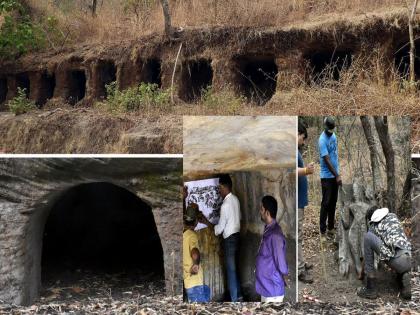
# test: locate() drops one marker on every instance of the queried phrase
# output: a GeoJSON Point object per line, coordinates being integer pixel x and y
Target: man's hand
{"type": "Point", "coordinates": [202, 218]}
{"type": "Point", "coordinates": [310, 168]}
{"type": "Point", "coordinates": [285, 280]}
{"type": "Point", "coordinates": [338, 180]}
{"type": "Point", "coordinates": [194, 269]}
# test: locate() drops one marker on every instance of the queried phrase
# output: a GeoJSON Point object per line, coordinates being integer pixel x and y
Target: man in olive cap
{"type": "Point", "coordinates": [192, 270]}
{"type": "Point", "coordinates": [330, 177]}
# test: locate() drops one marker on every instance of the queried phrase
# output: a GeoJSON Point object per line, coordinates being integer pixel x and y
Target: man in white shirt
{"type": "Point", "coordinates": [229, 226]}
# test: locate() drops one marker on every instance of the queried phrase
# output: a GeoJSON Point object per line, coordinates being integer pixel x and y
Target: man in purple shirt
{"type": "Point", "coordinates": [271, 266]}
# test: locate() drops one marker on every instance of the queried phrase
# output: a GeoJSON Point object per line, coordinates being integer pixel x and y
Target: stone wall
{"type": "Point", "coordinates": [260, 155]}
{"type": "Point", "coordinates": [250, 187]}
{"type": "Point", "coordinates": [29, 187]}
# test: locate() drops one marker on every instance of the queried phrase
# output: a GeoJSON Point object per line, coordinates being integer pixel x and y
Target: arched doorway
{"type": "Point", "coordinates": [99, 236]}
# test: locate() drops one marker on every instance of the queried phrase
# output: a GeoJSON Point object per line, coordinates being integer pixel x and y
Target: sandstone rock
{"type": "Point", "coordinates": [260, 155]}
{"type": "Point", "coordinates": [29, 187]}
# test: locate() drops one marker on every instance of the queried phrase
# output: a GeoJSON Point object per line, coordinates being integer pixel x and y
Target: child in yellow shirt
{"type": "Point", "coordinates": [192, 271]}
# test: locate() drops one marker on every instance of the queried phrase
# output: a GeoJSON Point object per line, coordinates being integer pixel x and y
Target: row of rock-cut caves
{"type": "Point", "coordinates": [99, 229]}
{"type": "Point", "coordinates": [255, 77]}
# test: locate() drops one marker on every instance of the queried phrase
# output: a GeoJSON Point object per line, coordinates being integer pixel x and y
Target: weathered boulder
{"type": "Point", "coordinates": [29, 188]}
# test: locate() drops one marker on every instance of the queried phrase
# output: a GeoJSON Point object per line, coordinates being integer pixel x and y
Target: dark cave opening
{"type": "Point", "coordinates": [76, 86]}
{"type": "Point", "coordinates": [102, 229]}
{"type": "Point", "coordinates": [47, 87]}
{"type": "Point", "coordinates": [107, 73]}
{"type": "Point", "coordinates": [150, 72]}
{"type": "Point", "coordinates": [257, 78]}
{"type": "Point", "coordinates": [197, 75]}
{"type": "Point", "coordinates": [23, 82]}
{"type": "Point", "coordinates": [327, 65]}
{"type": "Point", "coordinates": [3, 89]}
{"type": "Point", "coordinates": [402, 60]}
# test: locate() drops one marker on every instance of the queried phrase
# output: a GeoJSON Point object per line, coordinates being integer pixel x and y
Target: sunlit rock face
{"type": "Point", "coordinates": [260, 155]}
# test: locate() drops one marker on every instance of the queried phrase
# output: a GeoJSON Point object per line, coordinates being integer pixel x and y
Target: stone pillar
{"type": "Point", "coordinates": [11, 87]}
{"type": "Point", "coordinates": [169, 225]}
{"type": "Point", "coordinates": [224, 74]}
{"type": "Point", "coordinates": [13, 255]}
{"type": "Point", "coordinates": [127, 73]}
{"type": "Point", "coordinates": [36, 85]}
{"type": "Point", "coordinates": [291, 70]}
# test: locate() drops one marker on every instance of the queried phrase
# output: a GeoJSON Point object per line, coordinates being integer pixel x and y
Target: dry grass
{"type": "Point", "coordinates": [364, 89]}
{"type": "Point", "coordinates": [113, 22]}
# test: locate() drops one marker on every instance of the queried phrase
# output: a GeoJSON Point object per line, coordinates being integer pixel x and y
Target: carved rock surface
{"type": "Point", "coordinates": [260, 155]}
{"type": "Point", "coordinates": [353, 205]}
{"type": "Point", "coordinates": [29, 187]}
{"type": "Point", "coordinates": [242, 143]}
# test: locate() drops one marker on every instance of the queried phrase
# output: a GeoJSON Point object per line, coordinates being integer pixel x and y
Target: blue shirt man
{"type": "Point", "coordinates": [330, 178]}
{"type": "Point", "coordinates": [302, 185]}
{"type": "Point", "coordinates": [328, 146]}
{"type": "Point", "coordinates": [303, 171]}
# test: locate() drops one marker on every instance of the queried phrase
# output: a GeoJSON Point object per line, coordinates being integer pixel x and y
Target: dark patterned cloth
{"type": "Point", "coordinates": [390, 231]}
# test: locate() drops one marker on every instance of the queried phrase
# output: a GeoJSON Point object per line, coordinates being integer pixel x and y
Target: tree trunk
{"type": "Point", "coordinates": [381, 124]}
{"type": "Point", "coordinates": [167, 16]}
{"type": "Point", "coordinates": [412, 44]}
{"type": "Point", "coordinates": [374, 160]}
{"type": "Point", "coordinates": [94, 5]}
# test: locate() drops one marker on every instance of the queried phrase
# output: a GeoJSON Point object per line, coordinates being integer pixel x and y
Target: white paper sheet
{"type": "Point", "coordinates": [205, 193]}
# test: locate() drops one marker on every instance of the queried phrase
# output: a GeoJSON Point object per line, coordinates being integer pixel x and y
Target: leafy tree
{"type": "Point", "coordinates": [18, 34]}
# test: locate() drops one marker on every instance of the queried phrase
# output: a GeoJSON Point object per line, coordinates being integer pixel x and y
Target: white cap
{"type": "Point", "coordinates": [379, 214]}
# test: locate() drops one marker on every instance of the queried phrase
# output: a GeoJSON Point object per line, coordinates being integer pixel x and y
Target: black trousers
{"type": "Point", "coordinates": [328, 203]}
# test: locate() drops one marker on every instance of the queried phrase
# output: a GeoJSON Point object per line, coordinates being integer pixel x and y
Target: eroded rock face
{"type": "Point", "coordinates": [88, 132]}
{"type": "Point", "coordinates": [219, 144]}
{"type": "Point", "coordinates": [29, 187]}
{"type": "Point", "coordinates": [260, 155]}
{"type": "Point", "coordinates": [226, 55]}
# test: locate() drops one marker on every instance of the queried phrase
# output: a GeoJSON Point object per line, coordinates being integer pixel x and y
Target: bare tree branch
{"type": "Point", "coordinates": [412, 43]}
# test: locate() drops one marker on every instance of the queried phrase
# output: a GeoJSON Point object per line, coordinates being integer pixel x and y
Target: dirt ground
{"type": "Point", "coordinates": [85, 130]}
{"type": "Point", "coordinates": [85, 292]}
{"type": "Point", "coordinates": [329, 285]}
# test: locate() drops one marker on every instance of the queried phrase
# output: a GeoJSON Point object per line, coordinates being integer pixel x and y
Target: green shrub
{"type": "Point", "coordinates": [18, 34]}
{"type": "Point", "coordinates": [142, 97]}
{"type": "Point", "coordinates": [20, 104]}
{"type": "Point", "coordinates": [10, 5]}
{"type": "Point", "coordinates": [225, 100]}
